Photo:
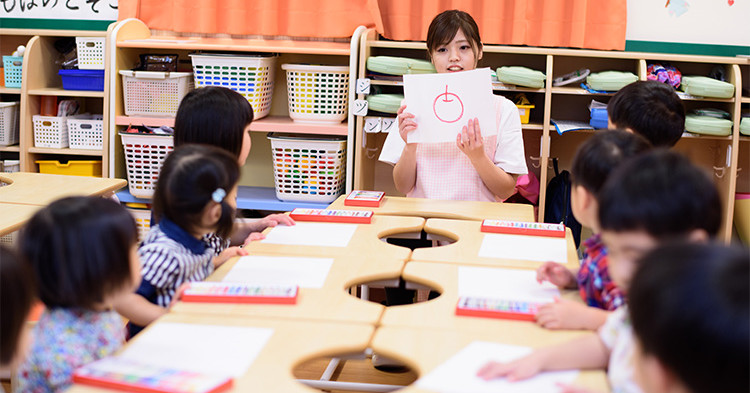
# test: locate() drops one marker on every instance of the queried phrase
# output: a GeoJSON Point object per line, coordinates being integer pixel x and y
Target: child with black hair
{"type": "Point", "coordinates": [195, 196]}
{"type": "Point", "coordinates": [690, 309]}
{"type": "Point", "coordinates": [595, 159]}
{"type": "Point", "coordinates": [221, 117]}
{"type": "Point", "coordinates": [652, 199]}
{"type": "Point", "coordinates": [651, 109]}
{"type": "Point", "coordinates": [83, 252]}
{"type": "Point", "coordinates": [16, 300]}
{"type": "Point", "coordinates": [481, 165]}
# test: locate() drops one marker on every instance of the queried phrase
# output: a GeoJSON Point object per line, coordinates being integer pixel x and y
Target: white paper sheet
{"type": "Point", "coordinates": [265, 270]}
{"type": "Point", "coordinates": [458, 374]}
{"type": "Point", "coordinates": [208, 349]}
{"type": "Point", "coordinates": [524, 248]}
{"type": "Point", "coordinates": [507, 284]}
{"type": "Point", "coordinates": [312, 234]}
{"type": "Point", "coordinates": [443, 103]}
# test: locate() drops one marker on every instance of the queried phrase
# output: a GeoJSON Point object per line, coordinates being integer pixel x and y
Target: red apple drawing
{"type": "Point", "coordinates": [448, 107]}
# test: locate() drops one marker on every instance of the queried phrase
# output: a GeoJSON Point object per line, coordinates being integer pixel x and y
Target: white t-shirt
{"type": "Point", "coordinates": [509, 154]}
{"type": "Point", "coordinates": [617, 336]}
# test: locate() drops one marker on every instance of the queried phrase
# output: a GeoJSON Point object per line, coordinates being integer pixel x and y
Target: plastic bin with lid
{"type": "Point", "coordinates": [703, 86]}
{"type": "Point", "coordinates": [521, 76]}
{"type": "Point", "coordinates": [610, 80]}
{"type": "Point", "coordinates": [392, 65]}
{"type": "Point", "coordinates": [708, 125]}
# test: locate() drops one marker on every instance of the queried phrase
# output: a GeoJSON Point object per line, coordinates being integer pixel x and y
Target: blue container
{"type": "Point", "coordinates": [599, 118]}
{"type": "Point", "coordinates": [83, 79]}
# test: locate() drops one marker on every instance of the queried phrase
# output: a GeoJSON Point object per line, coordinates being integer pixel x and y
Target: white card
{"type": "Point", "coordinates": [284, 271]}
{"type": "Point", "coordinates": [373, 124]}
{"type": "Point", "coordinates": [524, 248]}
{"type": "Point", "coordinates": [208, 349]}
{"type": "Point", "coordinates": [389, 123]}
{"type": "Point", "coordinates": [360, 107]}
{"type": "Point", "coordinates": [506, 284]}
{"type": "Point", "coordinates": [363, 85]}
{"type": "Point", "coordinates": [459, 373]}
{"type": "Point", "coordinates": [443, 104]}
{"type": "Point", "coordinates": [320, 234]}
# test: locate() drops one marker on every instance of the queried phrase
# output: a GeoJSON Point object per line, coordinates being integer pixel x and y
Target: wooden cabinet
{"type": "Point", "coordinates": [129, 38]}
{"type": "Point", "coordinates": [40, 78]}
{"type": "Point", "coordinates": [722, 156]}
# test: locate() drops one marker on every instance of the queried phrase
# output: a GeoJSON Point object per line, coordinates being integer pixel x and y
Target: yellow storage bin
{"type": "Point", "coordinates": [73, 167]}
{"type": "Point", "coordinates": [742, 216]}
{"type": "Point", "coordinates": [524, 107]}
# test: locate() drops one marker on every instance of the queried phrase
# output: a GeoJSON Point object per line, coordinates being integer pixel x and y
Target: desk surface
{"type": "Point", "coordinates": [426, 349]}
{"type": "Point", "coordinates": [365, 241]}
{"type": "Point", "coordinates": [433, 208]}
{"type": "Point", "coordinates": [465, 250]}
{"type": "Point", "coordinates": [291, 343]}
{"type": "Point", "coordinates": [13, 216]}
{"type": "Point", "coordinates": [441, 312]}
{"type": "Point", "coordinates": [41, 189]}
{"type": "Point", "coordinates": [331, 302]}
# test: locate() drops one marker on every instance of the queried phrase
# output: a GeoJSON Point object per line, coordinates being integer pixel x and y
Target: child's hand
{"type": "Point", "coordinates": [406, 123]}
{"type": "Point", "coordinates": [470, 141]}
{"type": "Point", "coordinates": [555, 273]}
{"type": "Point", "coordinates": [523, 368]}
{"type": "Point", "coordinates": [253, 237]}
{"type": "Point", "coordinates": [229, 253]}
{"type": "Point", "coordinates": [275, 219]}
{"type": "Point", "coordinates": [178, 294]}
{"type": "Point", "coordinates": [562, 314]}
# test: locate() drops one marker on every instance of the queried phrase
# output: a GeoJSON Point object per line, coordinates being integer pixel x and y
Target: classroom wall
{"type": "Point", "coordinates": [711, 27]}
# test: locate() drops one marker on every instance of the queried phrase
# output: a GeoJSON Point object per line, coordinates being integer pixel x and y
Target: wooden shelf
{"type": "Point", "coordinates": [577, 91]}
{"type": "Point", "coordinates": [533, 126]}
{"type": "Point", "coordinates": [56, 91]}
{"type": "Point", "coordinates": [239, 45]}
{"type": "Point", "coordinates": [56, 33]}
{"type": "Point", "coordinates": [12, 148]}
{"type": "Point", "coordinates": [10, 90]}
{"type": "Point", "coordinates": [266, 124]}
{"type": "Point", "coordinates": [688, 135]}
{"type": "Point", "coordinates": [746, 100]}
{"type": "Point", "coordinates": [686, 97]}
{"type": "Point", "coordinates": [66, 151]}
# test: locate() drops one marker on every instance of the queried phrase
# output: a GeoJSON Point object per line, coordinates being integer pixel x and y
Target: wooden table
{"type": "Point", "coordinates": [365, 241]}
{"type": "Point", "coordinates": [292, 342]}
{"type": "Point", "coordinates": [426, 349]}
{"type": "Point", "coordinates": [468, 240]}
{"type": "Point", "coordinates": [433, 208]}
{"type": "Point", "coordinates": [13, 216]}
{"type": "Point", "coordinates": [441, 312]}
{"type": "Point", "coordinates": [332, 302]}
{"type": "Point", "coordinates": [41, 189]}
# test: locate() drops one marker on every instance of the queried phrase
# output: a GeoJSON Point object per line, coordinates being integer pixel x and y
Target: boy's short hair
{"type": "Point", "coordinates": [649, 108]}
{"type": "Point", "coordinates": [187, 181]}
{"type": "Point", "coordinates": [445, 26]}
{"type": "Point", "coordinates": [79, 249]}
{"type": "Point", "coordinates": [690, 308]}
{"type": "Point", "coordinates": [16, 298]}
{"type": "Point", "coordinates": [214, 116]}
{"type": "Point", "coordinates": [601, 153]}
{"type": "Point", "coordinates": [662, 193]}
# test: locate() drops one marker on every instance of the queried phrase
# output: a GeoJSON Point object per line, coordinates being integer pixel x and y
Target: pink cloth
{"type": "Point", "coordinates": [445, 172]}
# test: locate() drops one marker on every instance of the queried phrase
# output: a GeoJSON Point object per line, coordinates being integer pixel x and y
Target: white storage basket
{"type": "Point", "coordinates": [154, 93]}
{"type": "Point", "coordinates": [11, 166]}
{"type": "Point", "coordinates": [86, 134]}
{"type": "Point", "coordinates": [142, 219]}
{"type": "Point", "coordinates": [8, 123]}
{"type": "Point", "coordinates": [251, 76]}
{"type": "Point", "coordinates": [9, 240]}
{"type": "Point", "coordinates": [144, 155]}
{"type": "Point", "coordinates": [90, 52]}
{"type": "Point", "coordinates": [52, 131]}
{"type": "Point", "coordinates": [317, 93]}
{"type": "Point", "coordinates": [308, 169]}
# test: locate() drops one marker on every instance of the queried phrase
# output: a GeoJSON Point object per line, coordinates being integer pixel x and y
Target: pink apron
{"type": "Point", "coordinates": [444, 172]}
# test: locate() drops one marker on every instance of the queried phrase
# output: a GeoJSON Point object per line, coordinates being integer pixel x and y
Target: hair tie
{"type": "Point", "coordinates": [218, 195]}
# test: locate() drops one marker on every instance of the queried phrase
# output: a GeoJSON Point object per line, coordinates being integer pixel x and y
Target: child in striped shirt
{"type": "Point", "coordinates": [195, 196]}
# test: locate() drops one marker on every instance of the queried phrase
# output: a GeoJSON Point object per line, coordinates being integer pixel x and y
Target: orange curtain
{"type": "Point", "coordinates": [592, 24]}
{"type": "Point", "coordinates": [296, 18]}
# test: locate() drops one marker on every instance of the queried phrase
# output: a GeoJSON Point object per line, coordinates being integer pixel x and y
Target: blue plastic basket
{"type": "Point", "coordinates": [13, 66]}
{"type": "Point", "coordinates": [599, 118]}
{"type": "Point", "coordinates": [83, 79]}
